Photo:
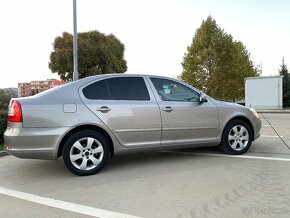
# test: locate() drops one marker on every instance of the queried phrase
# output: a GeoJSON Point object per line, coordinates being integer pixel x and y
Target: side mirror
{"type": "Point", "coordinates": [202, 97]}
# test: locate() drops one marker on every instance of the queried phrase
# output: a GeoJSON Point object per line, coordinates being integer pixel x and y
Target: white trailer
{"type": "Point", "coordinates": [264, 92]}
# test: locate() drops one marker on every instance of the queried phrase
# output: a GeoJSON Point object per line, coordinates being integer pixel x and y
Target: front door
{"type": "Point", "coordinates": [185, 119]}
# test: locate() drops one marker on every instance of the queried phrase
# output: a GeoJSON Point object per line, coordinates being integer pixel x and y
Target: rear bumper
{"type": "Point", "coordinates": [33, 143]}
{"type": "Point", "coordinates": [47, 154]}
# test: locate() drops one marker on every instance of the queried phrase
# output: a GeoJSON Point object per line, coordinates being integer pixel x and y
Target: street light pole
{"type": "Point", "coordinates": [75, 42]}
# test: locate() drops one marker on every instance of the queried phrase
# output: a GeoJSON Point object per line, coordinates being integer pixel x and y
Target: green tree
{"type": "Point", "coordinates": [283, 71]}
{"type": "Point", "coordinates": [217, 64]}
{"type": "Point", "coordinates": [4, 101]}
{"type": "Point", "coordinates": [97, 54]}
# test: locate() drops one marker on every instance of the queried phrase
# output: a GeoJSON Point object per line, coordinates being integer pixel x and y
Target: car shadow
{"type": "Point", "coordinates": [132, 165]}
{"type": "Point", "coordinates": [43, 176]}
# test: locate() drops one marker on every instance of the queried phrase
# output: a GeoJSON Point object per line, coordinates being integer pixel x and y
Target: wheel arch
{"type": "Point", "coordinates": [246, 120]}
{"type": "Point", "coordinates": [86, 127]}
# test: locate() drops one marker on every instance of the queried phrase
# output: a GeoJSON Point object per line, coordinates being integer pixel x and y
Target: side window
{"type": "Point", "coordinates": [169, 90]}
{"type": "Point", "coordinates": [128, 88]}
{"type": "Point", "coordinates": [120, 88]}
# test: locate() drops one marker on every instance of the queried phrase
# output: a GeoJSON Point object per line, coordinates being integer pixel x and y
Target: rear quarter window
{"type": "Point", "coordinates": [97, 90]}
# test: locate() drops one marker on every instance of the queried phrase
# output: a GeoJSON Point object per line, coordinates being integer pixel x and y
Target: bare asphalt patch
{"type": "Point", "coordinates": [276, 132]}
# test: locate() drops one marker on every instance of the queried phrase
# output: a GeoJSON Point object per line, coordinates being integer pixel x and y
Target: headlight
{"type": "Point", "coordinates": [254, 112]}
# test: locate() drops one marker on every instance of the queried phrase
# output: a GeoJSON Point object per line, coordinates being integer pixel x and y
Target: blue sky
{"type": "Point", "coordinates": [156, 33]}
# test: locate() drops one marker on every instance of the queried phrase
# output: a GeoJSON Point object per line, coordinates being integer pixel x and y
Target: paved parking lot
{"type": "Point", "coordinates": [183, 183]}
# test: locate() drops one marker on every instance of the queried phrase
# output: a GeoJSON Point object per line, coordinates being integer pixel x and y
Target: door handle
{"type": "Point", "coordinates": [104, 109]}
{"type": "Point", "coordinates": [168, 109]}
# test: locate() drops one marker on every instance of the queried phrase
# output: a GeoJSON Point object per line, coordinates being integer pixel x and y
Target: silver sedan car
{"type": "Point", "coordinates": [90, 120]}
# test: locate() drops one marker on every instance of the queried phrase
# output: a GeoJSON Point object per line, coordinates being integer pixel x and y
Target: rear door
{"type": "Point", "coordinates": [185, 120]}
{"type": "Point", "coordinates": [127, 107]}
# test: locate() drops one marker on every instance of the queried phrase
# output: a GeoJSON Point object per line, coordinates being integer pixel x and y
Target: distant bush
{"type": "Point", "coordinates": [3, 124]}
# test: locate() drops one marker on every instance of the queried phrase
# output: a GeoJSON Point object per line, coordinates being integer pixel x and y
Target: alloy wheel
{"type": "Point", "coordinates": [238, 137]}
{"type": "Point", "coordinates": [86, 153]}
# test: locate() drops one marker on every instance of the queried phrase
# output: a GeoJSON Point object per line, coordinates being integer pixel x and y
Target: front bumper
{"type": "Point", "coordinates": [257, 125]}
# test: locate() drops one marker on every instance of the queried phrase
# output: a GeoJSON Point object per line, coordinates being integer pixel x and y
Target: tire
{"type": "Point", "coordinates": [237, 137]}
{"type": "Point", "coordinates": [85, 152]}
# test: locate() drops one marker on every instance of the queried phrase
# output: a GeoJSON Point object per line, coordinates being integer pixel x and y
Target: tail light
{"type": "Point", "coordinates": [14, 112]}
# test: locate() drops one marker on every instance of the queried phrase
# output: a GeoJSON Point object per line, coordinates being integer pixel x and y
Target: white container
{"type": "Point", "coordinates": [264, 92]}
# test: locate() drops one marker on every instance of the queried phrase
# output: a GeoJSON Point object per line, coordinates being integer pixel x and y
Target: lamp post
{"type": "Point", "coordinates": [75, 42]}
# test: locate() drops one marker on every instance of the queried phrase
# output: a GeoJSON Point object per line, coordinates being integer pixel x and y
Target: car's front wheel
{"type": "Point", "coordinates": [85, 152]}
{"type": "Point", "coordinates": [237, 137]}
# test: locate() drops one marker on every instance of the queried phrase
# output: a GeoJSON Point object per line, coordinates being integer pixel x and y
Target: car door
{"type": "Point", "coordinates": [127, 107]}
{"type": "Point", "coordinates": [185, 119]}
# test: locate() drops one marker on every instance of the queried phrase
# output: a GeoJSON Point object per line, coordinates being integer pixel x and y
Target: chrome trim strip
{"type": "Point", "coordinates": [188, 128]}
{"type": "Point", "coordinates": [136, 130]}
{"type": "Point", "coordinates": [164, 129]}
{"type": "Point", "coordinates": [31, 149]}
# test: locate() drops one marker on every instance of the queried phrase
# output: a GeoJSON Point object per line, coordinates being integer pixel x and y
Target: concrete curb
{"type": "Point", "coordinates": [3, 153]}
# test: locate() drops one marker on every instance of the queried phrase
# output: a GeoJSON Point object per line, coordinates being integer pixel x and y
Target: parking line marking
{"type": "Point", "coordinates": [77, 208]}
{"type": "Point", "coordinates": [271, 136]}
{"type": "Point", "coordinates": [230, 156]}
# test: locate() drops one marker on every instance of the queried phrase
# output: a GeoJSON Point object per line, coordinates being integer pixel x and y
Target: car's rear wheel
{"type": "Point", "coordinates": [237, 137]}
{"type": "Point", "coordinates": [85, 152]}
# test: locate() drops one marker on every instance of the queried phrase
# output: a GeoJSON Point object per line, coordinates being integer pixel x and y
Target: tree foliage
{"type": "Point", "coordinates": [217, 64]}
{"type": "Point", "coordinates": [97, 54]}
{"type": "Point", "coordinates": [4, 101]}
{"type": "Point", "coordinates": [3, 124]}
{"type": "Point", "coordinates": [283, 71]}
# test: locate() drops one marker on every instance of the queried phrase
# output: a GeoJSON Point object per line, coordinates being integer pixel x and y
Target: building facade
{"type": "Point", "coordinates": [34, 87]}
